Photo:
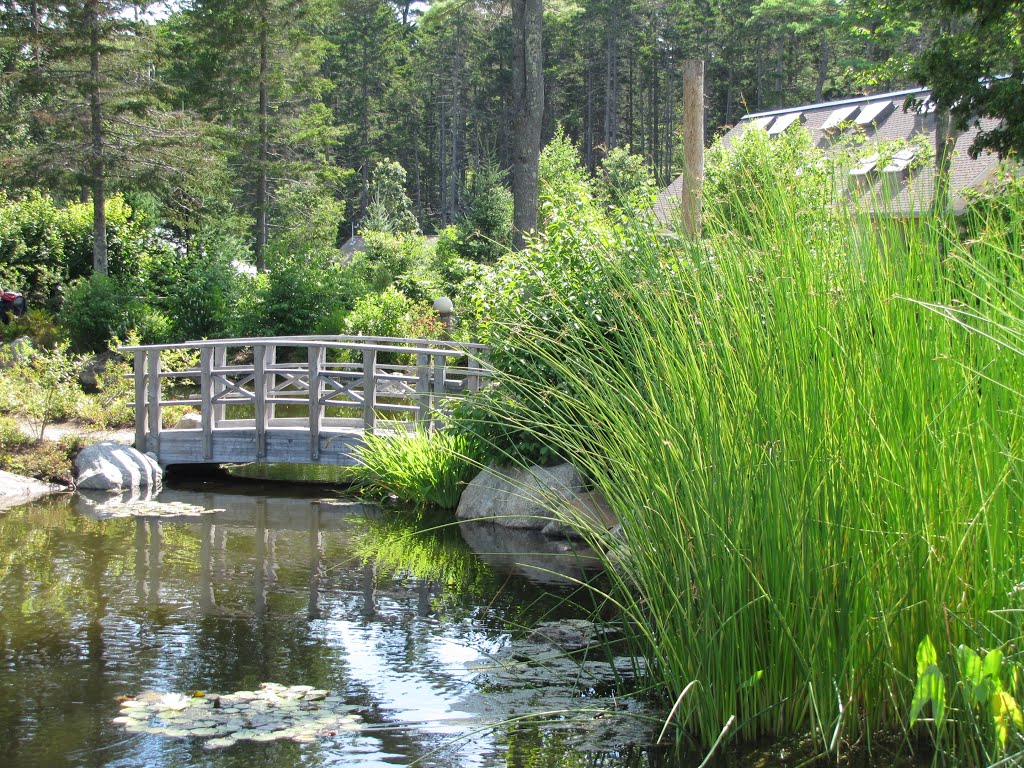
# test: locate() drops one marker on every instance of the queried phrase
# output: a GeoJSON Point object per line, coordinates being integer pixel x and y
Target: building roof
{"type": "Point", "coordinates": [883, 118]}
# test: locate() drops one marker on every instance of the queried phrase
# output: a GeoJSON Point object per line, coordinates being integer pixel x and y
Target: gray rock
{"type": "Point", "coordinates": [190, 421]}
{"type": "Point", "coordinates": [110, 466]}
{"type": "Point", "coordinates": [88, 376]}
{"type": "Point", "coordinates": [519, 498]}
{"type": "Point", "coordinates": [587, 513]}
{"type": "Point", "coordinates": [17, 489]}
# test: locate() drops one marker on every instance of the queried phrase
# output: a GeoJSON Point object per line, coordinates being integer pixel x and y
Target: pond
{"type": "Point", "coordinates": [231, 595]}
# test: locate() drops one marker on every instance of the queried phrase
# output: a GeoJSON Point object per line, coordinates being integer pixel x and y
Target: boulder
{"type": "Point", "coordinates": [88, 375]}
{"type": "Point", "coordinates": [190, 421]}
{"type": "Point", "coordinates": [519, 498]}
{"type": "Point", "coordinates": [110, 466]}
{"type": "Point", "coordinates": [16, 489]}
{"type": "Point", "coordinates": [588, 511]}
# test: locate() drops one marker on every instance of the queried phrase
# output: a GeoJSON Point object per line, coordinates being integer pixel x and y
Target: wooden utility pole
{"type": "Point", "coordinates": [693, 138]}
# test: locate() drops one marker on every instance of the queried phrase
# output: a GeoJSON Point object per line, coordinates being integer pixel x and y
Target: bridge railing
{"type": "Point", "coordinates": [316, 383]}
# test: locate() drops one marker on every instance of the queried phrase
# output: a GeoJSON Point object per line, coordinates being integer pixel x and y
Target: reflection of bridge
{"type": "Point", "coordinates": [295, 399]}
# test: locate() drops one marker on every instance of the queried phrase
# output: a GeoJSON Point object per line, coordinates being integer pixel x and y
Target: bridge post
{"type": "Point", "coordinates": [140, 400]}
{"type": "Point", "coordinates": [369, 388]}
{"type": "Point", "coordinates": [153, 404]}
{"type": "Point", "coordinates": [315, 356]}
{"type": "Point", "coordinates": [259, 388]}
{"type": "Point", "coordinates": [205, 404]}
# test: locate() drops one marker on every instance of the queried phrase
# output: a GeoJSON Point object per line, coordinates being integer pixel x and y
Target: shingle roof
{"type": "Point", "coordinates": [884, 120]}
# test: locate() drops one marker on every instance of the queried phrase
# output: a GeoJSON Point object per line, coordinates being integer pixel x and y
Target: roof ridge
{"type": "Point", "coordinates": [840, 103]}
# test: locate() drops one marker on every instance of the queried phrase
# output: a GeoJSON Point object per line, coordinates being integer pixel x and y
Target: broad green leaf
{"type": "Point", "coordinates": [970, 672]}
{"type": "Point", "coordinates": [992, 668]}
{"type": "Point", "coordinates": [930, 688]}
{"type": "Point", "coordinates": [926, 656]}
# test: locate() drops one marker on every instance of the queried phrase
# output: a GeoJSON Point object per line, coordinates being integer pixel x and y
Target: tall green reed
{"type": "Point", "coordinates": [813, 471]}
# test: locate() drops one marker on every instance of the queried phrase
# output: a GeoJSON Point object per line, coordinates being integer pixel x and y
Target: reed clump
{"type": "Point", "coordinates": [814, 471]}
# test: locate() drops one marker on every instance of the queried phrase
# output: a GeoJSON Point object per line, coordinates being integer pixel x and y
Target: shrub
{"type": "Point", "coordinates": [42, 387]}
{"type": "Point", "coordinates": [299, 294]}
{"type": "Point", "coordinates": [99, 308]}
{"type": "Point", "coordinates": [625, 181]}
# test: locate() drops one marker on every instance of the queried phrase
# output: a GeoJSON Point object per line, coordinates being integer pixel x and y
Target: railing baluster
{"type": "Point", "coordinates": [473, 379]}
{"type": "Point", "coordinates": [271, 381]}
{"type": "Point", "coordinates": [153, 437]}
{"type": "Point", "coordinates": [220, 361]}
{"type": "Point", "coordinates": [423, 390]}
{"type": "Point", "coordinates": [140, 401]}
{"type": "Point", "coordinates": [315, 355]}
{"type": "Point", "coordinates": [439, 374]}
{"type": "Point", "coordinates": [205, 405]}
{"type": "Point", "coordinates": [369, 387]}
{"type": "Point", "coordinates": [259, 354]}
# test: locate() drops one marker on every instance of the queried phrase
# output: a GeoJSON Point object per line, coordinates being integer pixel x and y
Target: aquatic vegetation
{"type": "Point", "coordinates": [428, 469]}
{"type": "Point", "coordinates": [274, 712]}
{"type": "Point", "coordinates": [812, 471]}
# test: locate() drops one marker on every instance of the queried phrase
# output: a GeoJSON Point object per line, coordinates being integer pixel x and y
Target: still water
{"type": "Point", "coordinates": [426, 641]}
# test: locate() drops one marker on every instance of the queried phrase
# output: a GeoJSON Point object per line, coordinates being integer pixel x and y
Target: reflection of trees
{"type": "Point", "coordinates": [428, 549]}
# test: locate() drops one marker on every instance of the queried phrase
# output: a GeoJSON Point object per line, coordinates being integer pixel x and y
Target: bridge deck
{"type": "Point", "coordinates": [298, 399]}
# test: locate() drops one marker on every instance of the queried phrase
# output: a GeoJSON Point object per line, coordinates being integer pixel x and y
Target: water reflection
{"type": "Point", "coordinates": [388, 610]}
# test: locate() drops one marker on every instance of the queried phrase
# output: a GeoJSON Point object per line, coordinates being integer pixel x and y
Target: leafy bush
{"type": "Point", "coordinates": [625, 181]}
{"type": "Point", "coordinates": [47, 460]}
{"type": "Point", "coordinates": [41, 387]}
{"type": "Point", "coordinates": [99, 308]}
{"type": "Point", "coordinates": [299, 294]}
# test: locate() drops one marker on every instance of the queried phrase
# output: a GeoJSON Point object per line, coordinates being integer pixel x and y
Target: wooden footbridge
{"type": "Point", "coordinates": [295, 399]}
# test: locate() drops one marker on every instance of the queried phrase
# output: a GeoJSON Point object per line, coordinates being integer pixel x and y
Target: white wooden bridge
{"type": "Point", "coordinates": [295, 399]}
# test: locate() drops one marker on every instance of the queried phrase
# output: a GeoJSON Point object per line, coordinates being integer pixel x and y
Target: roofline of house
{"type": "Point", "coordinates": [842, 103]}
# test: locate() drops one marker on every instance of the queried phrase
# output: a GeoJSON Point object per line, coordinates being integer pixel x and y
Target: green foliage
{"type": "Point", "coordinates": [46, 460]}
{"type": "Point", "coordinates": [41, 387]}
{"type": "Point", "coordinates": [625, 181]}
{"type": "Point", "coordinates": [980, 703]}
{"type": "Point", "coordinates": [546, 286]}
{"type": "Point", "coordinates": [974, 67]}
{"type": "Point", "coordinates": [100, 308]}
{"type": "Point", "coordinates": [485, 229]}
{"type": "Point", "coordinates": [299, 294]}
{"type": "Point", "coordinates": [770, 421]}
{"type": "Point", "coordinates": [425, 469]}
{"type": "Point", "coordinates": [390, 209]}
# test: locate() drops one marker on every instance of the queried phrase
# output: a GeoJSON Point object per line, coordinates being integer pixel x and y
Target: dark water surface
{"type": "Point", "coordinates": [393, 615]}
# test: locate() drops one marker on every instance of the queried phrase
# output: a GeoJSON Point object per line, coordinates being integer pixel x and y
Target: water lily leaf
{"type": "Point", "coordinates": [219, 743]}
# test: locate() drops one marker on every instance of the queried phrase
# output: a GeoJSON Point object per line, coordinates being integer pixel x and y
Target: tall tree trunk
{"type": "Point", "coordinates": [528, 100]}
{"type": "Point", "coordinates": [611, 112]}
{"type": "Point", "coordinates": [262, 194]}
{"type": "Point", "coordinates": [824, 53]}
{"type": "Point", "coordinates": [98, 169]}
{"type": "Point", "coordinates": [588, 130]}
